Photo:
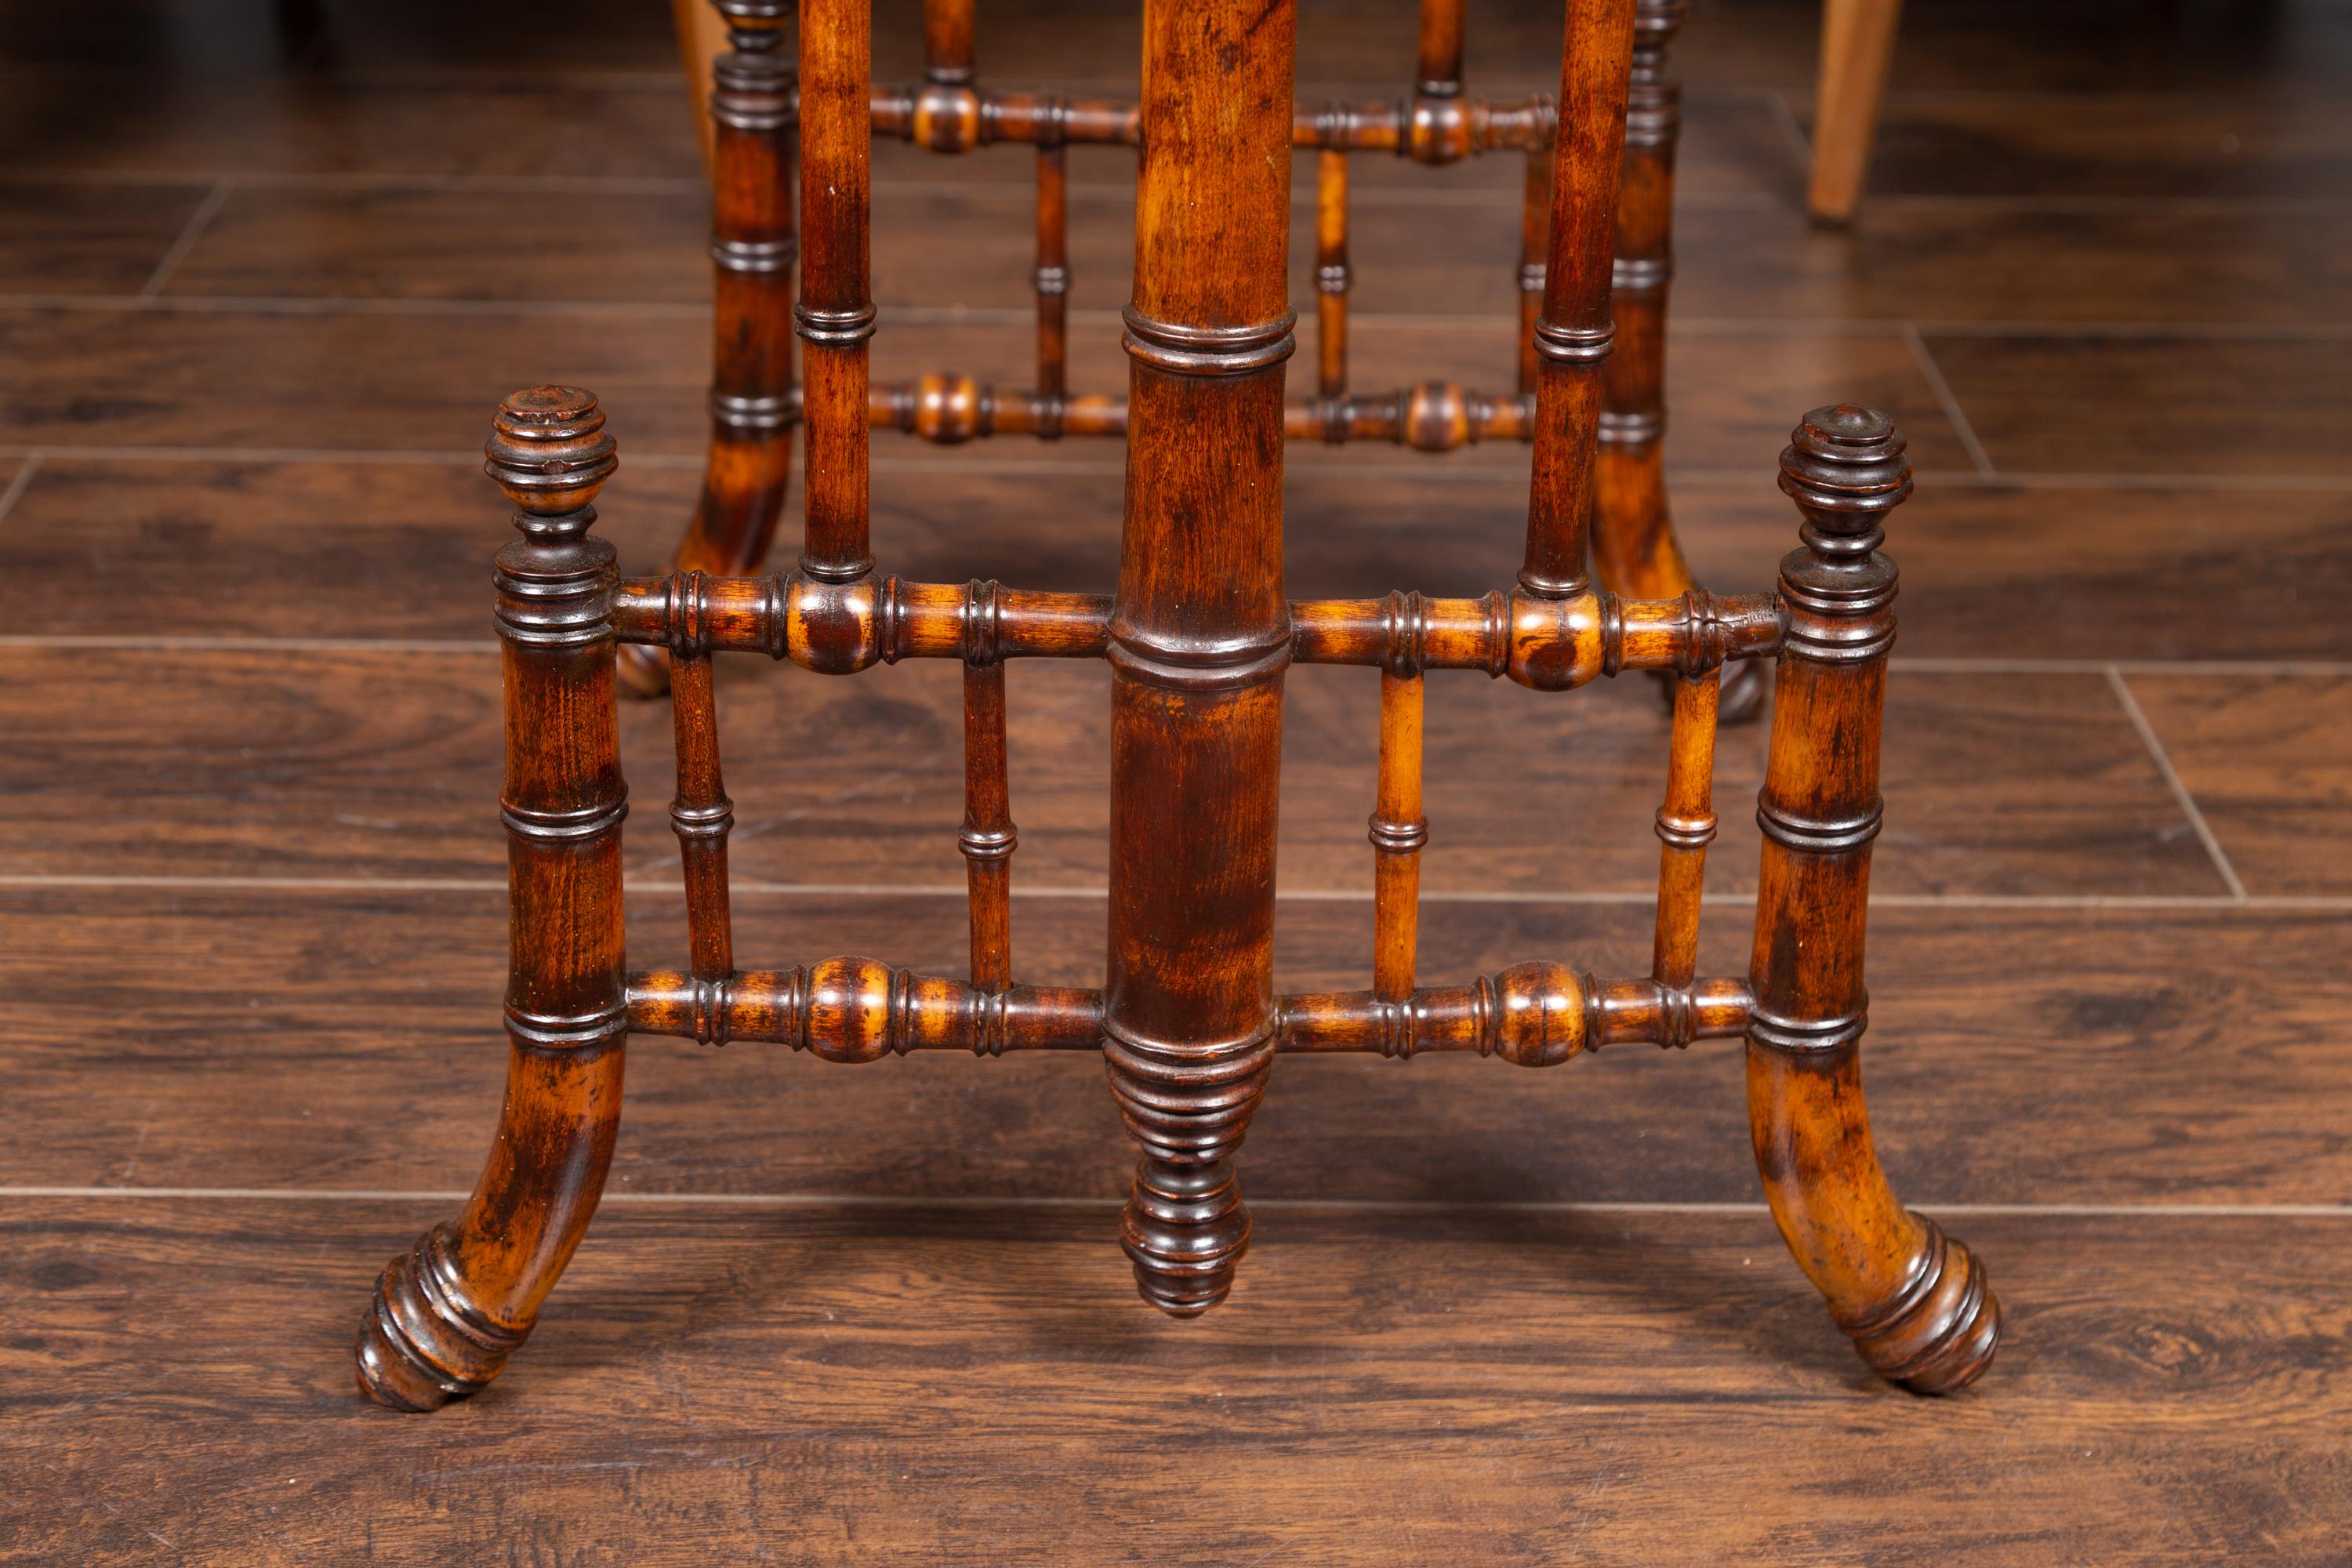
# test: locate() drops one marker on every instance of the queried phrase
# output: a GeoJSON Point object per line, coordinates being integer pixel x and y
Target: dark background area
{"type": "Point", "coordinates": [265, 272]}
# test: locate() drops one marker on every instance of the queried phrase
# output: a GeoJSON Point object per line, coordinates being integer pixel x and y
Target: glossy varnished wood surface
{"type": "Point", "coordinates": [2069, 1010]}
{"type": "Point", "coordinates": [803, 1352]}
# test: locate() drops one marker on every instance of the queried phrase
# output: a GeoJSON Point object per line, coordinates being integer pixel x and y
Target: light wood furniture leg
{"type": "Point", "coordinates": [701, 39]}
{"type": "Point", "coordinates": [1857, 39]}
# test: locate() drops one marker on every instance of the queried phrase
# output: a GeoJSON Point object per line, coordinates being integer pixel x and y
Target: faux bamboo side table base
{"type": "Point", "coordinates": [755, 402]}
{"type": "Point", "coordinates": [1198, 636]}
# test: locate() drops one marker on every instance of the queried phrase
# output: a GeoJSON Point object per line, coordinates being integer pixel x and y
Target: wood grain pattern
{"type": "Point", "coordinates": [2134, 574]}
{"type": "Point", "coordinates": [114, 380]}
{"type": "Point", "coordinates": [1918, 260]}
{"type": "Point", "coordinates": [2260, 146]}
{"type": "Point", "coordinates": [2019, 385]}
{"type": "Point", "coordinates": [2271, 771]}
{"type": "Point", "coordinates": [1199, 638]}
{"type": "Point", "coordinates": [106, 239]}
{"type": "Point", "coordinates": [275, 1038]}
{"type": "Point", "coordinates": [209, 122]}
{"type": "Point", "coordinates": [2174, 1386]}
{"type": "Point", "coordinates": [360, 777]}
{"type": "Point", "coordinates": [2156, 1408]}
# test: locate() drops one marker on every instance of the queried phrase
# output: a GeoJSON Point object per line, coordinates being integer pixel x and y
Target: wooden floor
{"type": "Point", "coordinates": [261, 283]}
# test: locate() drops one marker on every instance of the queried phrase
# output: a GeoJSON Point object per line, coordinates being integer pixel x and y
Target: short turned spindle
{"type": "Point", "coordinates": [1199, 633]}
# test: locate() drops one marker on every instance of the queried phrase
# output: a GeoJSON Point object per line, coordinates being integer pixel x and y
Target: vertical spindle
{"type": "Point", "coordinates": [1633, 540]}
{"type": "Point", "coordinates": [1331, 275]}
{"type": "Point", "coordinates": [753, 245]}
{"type": "Point", "coordinates": [1398, 833]}
{"type": "Point", "coordinates": [835, 313]}
{"type": "Point", "coordinates": [701, 814]}
{"type": "Point", "coordinates": [1052, 278]}
{"type": "Point", "coordinates": [1572, 336]}
{"type": "Point", "coordinates": [946, 42]}
{"type": "Point", "coordinates": [987, 838]}
{"type": "Point", "coordinates": [1200, 634]}
{"type": "Point", "coordinates": [1440, 60]}
{"type": "Point", "coordinates": [1535, 241]}
{"type": "Point", "coordinates": [1685, 827]}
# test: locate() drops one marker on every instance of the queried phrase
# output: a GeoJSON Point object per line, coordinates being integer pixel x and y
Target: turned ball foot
{"type": "Point", "coordinates": [421, 1345]}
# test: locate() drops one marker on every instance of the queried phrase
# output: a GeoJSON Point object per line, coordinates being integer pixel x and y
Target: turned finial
{"type": "Point", "coordinates": [754, 13]}
{"type": "Point", "coordinates": [1654, 101]}
{"type": "Point", "coordinates": [1845, 470]}
{"type": "Point", "coordinates": [1656, 21]}
{"type": "Point", "coordinates": [548, 450]}
{"type": "Point", "coordinates": [1844, 467]}
{"type": "Point", "coordinates": [752, 83]}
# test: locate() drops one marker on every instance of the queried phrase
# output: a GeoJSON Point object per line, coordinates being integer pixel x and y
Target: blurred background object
{"type": "Point", "coordinates": [1857, 42]}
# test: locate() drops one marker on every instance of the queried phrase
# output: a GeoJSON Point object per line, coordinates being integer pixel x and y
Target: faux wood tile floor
{"type": "Point", "coordinates": [259, 291]}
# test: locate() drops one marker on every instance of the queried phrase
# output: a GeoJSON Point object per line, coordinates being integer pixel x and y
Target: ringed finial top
{"type": "Point", "coordinates": [1844, 465]}
{"type": "Point", "coordinates": [548, 450]}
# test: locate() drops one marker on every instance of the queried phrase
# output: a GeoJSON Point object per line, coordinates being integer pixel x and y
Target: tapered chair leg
{"type": "Point", "coordinates": [449, 1312]}
{"type": "Point", "coordinates": [754, 242]}
{"type": "Point", "coordinates": [1915, 1301]}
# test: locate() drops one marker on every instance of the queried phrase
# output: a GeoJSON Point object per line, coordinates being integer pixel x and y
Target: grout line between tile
{"type": "Point", "coordinates": [1953, 414]}
{"type": "Point", "coordinates": [1776, 102]}
{"type": "Point", "coordinates": [198, 221]}
{"type": "Point", "coordinates": [2123, 330]}
{"type": "Point", "coordinates": [163, 644]}
{"type": "Point", "coordinates": [819, 1200]}
{"type": "Point", "coordinates": [18, 485]}
{"type": "Point", "coordinates": [2260, 669]}
{"type": "Point", "coordinates": [2028, 478]}
{"type": "Point", "coordinates": [2172, 778]}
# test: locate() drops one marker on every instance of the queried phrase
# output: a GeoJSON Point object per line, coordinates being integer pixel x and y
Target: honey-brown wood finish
{"type": "Point", "coordinates": [1633, 544]}
{"type": "Point", "coordinates": [754, 243]}
{"type": "Point", "coordinates": [949, 111]}
{"type": "Point", "coordinates": [1915, 1301]}
{"type": "Point", "coordinates": [1199, 636]}
{"type": "Point", "coordinates": [448, 1312]}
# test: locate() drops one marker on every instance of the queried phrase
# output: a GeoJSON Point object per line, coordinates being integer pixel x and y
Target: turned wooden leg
{"type": "Point", "coordinates": [449, 1312]}
{"type": "Point", "coordinates": [1915, 1301]}
{"type": "Point", "coordinates": [1634, 552]}
{"type": "Point", "coordinates": [1200, 635]}
{"type": "Point", "coordinates": [701, 39]}
{"type": "Point", "coordinates": [1857, 42]}
{"type": "Point", "coordinates": [753, 245]}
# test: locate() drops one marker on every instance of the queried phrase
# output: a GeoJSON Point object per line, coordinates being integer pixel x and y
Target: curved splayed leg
{"type": "Point", "coordinates": [1915, 1301]}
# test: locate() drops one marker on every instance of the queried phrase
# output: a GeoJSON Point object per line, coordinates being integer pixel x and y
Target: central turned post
{"type": "Point", "coordinates": [1200, 634]}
